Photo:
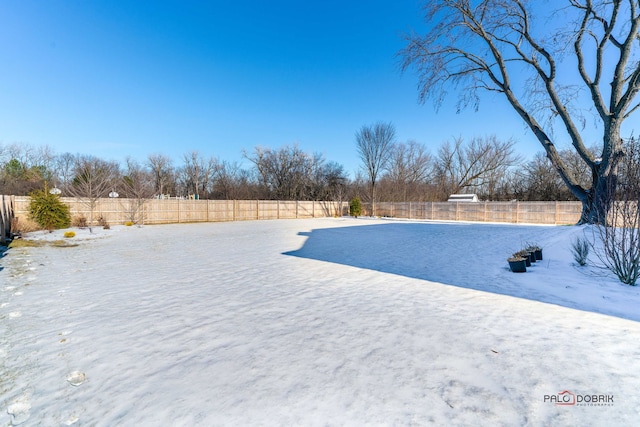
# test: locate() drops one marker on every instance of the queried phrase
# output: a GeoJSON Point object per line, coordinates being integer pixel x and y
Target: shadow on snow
{"type": "Point", "coordinates": [471, 256]}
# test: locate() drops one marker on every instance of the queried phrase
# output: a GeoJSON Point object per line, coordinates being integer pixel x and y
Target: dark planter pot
{"type": "Point", "coordinates": [518, 266]}
{"type": "Point", "coordinates": [538, 255]}
{"type": "Point", "coordinates": [532, 256]}
{"type": "Point", "coordinates": [527, 260]}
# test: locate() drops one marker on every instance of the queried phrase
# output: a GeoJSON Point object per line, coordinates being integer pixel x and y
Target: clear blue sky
{"type": "Point", "coordinates": [132, 78]}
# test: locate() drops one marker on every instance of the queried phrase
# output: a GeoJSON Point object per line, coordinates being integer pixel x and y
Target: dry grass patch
{"type": "Point", "coordinates": [26, 243]}
{"type": "Point", "coordinates": [62, 244]}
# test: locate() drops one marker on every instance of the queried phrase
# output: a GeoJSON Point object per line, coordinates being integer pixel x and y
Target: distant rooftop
{"type": "Point", "coordinates": [463, 198]}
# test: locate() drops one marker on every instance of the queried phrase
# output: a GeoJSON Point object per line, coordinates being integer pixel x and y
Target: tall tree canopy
{"type": "Point", "coordinates": [550, 65]}
{"type": "Point", "coordinates": [375, 144]}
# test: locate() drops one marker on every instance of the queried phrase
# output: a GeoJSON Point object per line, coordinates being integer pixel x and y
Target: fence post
{"type": "Point", "coordinates": [555, 216]}
{"type": "Point", "coordinates": [485, 211]}
{"type": "Point", "coordinates": [517, 211]}
{"type": "Point", "coordinates": [297, 203]}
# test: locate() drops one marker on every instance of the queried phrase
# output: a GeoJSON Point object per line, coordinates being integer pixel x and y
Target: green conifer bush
{"type": "Point", "coordinates": [48, 211]}
{"type": "Point", "coordinates": [355, 207]}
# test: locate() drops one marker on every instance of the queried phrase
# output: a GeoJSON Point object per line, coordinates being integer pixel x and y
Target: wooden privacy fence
{"type": "Point", "coordinates": [154, 211]}
{"type": "Point", "coordinates": [513, 212]}
{"type": "Point", "coordinates": [6, 215]}
{"type": "Point", "coordinates": [166, 211]}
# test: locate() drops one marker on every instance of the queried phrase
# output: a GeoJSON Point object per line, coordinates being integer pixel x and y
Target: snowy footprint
{"type": "Point", "coordinates": [76, 378]}
{"type": "Point", "coordinates": [15, 314]}
{"type": "Point", "coordinates": [19, 410]}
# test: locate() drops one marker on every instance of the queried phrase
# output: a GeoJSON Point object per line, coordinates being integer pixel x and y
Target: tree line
{"type": "Point", "coordinates": [397, 172]}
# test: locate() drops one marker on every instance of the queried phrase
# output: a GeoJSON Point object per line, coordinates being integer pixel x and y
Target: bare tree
{"type": "Point", "coordinates": [331, 184]}
{"type": "Point", "coordinates": [64, 166]}
{"type": "Point", "coordinates": [208, 176]}
{"type": "Point", "coordinates": [473, 165]}
{"type": "Point", "coordinates": [286, 173]}
{"type": "Point", "coordinates": [248, 186]}
{"type": "Point", "coordinates": [162, 172]}
{"type": "Point", "coordinates": [541, 181]}
{"type": "Point", "coordinates": [484, 45]}
{"type": "Point", "coordinates": [136, 186]}
{"type": "Point", "coordinates": [316, 178]}
{"type": "Point", "coordinates": [374, 144]}
{"type": "Point", "coordinates": [192, 173]}
{"type": "Point", "coordinates": [226, 180]}
{"type": "Point", "coordinates": [409, 166]}
{"type": "Point", "coordinates": [93, 178]}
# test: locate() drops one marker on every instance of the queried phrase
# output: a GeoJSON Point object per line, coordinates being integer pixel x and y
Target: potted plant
{"type": "Point", "coordinates": [532, 255]}
{"type": "Point", "coordinates": [524, 254]}
{"type": "Point", "coordinates": [537, 251]}
{"type": "Point", "coordinates": [517, 264]}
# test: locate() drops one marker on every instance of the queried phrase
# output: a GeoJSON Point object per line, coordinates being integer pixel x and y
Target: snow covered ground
{"type": "Point", "coordinates": [314, 322]}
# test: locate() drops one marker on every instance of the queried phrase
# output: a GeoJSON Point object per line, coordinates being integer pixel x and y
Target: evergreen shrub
{"type": "Point", "coordinates": [355, 207]}
{"type": "Point", "coordinates": [48, 211]}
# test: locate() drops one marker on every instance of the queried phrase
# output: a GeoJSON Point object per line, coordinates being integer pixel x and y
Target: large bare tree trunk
{"type": "Point", "coordinates": [598, 201]}
{"type": "Point", "coordinates": [482, 45]}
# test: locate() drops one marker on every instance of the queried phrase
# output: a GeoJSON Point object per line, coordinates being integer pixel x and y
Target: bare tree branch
{"type": "Point", "coordinates": [481, 45]}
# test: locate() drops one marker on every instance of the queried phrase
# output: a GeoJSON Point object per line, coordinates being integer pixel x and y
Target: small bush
{"type": "Point", "coordinates": [355, 207]}
{"type": "Point", "coordinates": [79, 221]}
{"type": "Point", "coordinates": [128, 223]}
{"type": "Point", "coordinates": [21, 225]}
{"type": "Point", "coordinates": [69, 234]}
{"type": "Point", "coordinates": [103, 223]}
{"type": "Point", "coordinates": [48, 211]}
{"type": "Point", "coordinates": [580, 250]}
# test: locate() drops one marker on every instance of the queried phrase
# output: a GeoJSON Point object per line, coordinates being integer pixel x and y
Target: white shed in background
{"type": "Point", "coordinates": [463, 198]}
